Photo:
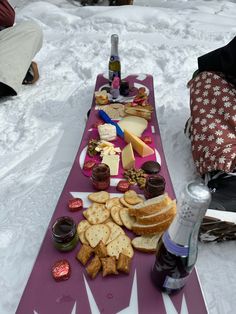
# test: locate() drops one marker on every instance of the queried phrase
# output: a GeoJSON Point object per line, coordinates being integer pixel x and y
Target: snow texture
{"type": "Point", "coordinates": [41, 128]}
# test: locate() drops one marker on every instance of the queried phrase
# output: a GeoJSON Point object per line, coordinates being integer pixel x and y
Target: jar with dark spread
{"type": "Point", "coordinates": [101, 177]}
{"type": "Point", "coordinates": [155, 186]}
{"type": "Point", "coordinates": [64, 234]}
{"type": "Point", "coordinates": [124, 88]}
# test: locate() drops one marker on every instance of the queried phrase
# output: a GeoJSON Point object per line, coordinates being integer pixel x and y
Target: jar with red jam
{"type": "Point", "coordinates": [101, 177]}
{"type": "Point", "coordinates": [155, 186]}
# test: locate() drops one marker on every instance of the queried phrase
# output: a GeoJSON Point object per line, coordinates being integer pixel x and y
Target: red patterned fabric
{"type": "Point", "coordinates": [213, 123]}
{"type": "Point", "coordinates": [7, 14]}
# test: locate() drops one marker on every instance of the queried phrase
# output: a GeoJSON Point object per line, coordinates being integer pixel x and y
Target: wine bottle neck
{"type": "Point", "coordinates": [173, 247]}
{"type": "Point", "coordinates": [181, 229]}
{"type": "Point", "coordinates": [114, 49]}
{"type": "Point", "coordinates": [114, 45]}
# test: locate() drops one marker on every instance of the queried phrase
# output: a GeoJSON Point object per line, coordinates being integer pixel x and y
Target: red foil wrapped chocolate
{"type": "Point", "coordinates": [75, 204]}
{"type": "Point", "coordinates": [61, 270]}
{"type": "Point", "coordinates": [123, 186]}
{"type": "Point", "coordinates": [88, 165]}
{"type": "Point", "coordinates": [147, 139]}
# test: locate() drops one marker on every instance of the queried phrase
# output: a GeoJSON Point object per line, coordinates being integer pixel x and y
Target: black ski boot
{"type": "Point", "coordinates": [223, 189]}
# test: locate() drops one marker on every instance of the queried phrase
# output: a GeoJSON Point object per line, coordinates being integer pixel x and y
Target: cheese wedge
{"type": "Point", "coordinates": [133, 124]}
{"type": "Point", "coordinates": [127, 157]}
{"type": "Point", "coordinates": [138, 145]}
{"type": "Point", "coordinates": [113, 163]}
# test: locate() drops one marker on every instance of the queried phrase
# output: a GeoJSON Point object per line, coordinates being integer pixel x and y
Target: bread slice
{"type": "Point", "coordinates": [146, 244]}
{"type": "Point", "coordinates": [161, 215]}
{"type": "Point", "coordinates": [152, 229]}
{"type": "Point", "coordinates": [150, 206]}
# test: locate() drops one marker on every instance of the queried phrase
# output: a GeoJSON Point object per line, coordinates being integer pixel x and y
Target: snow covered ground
{"type": "Point", "coordinates": [41, 128]}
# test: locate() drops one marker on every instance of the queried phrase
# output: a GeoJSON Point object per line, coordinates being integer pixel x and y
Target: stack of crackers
{"type": "Point", "coordinates": [102, 235]}
{"type": "Point", "coordinates": [105, 243]}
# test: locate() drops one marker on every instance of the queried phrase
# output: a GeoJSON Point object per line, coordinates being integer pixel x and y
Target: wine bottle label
{"type": "Point", "coordinates": [174, 283]}
{"type": "Point", "coordinates": [113, 74]}
{"type": "Point", "coordinates": [114, 58]}
{"type": "Point", "coordinates": [173, 247]}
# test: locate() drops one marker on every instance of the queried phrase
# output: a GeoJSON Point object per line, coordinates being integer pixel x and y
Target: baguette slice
{"type": "Point", "coordinates": [161, 215]}
{"type": "Point", "coordinates": [153, 228]}
{"type": "Point", "coordinates": [150, 206]}
{"type": "Point", "coordinates": [146, 244]}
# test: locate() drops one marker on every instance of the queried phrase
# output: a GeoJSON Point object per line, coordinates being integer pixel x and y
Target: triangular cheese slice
{"type": "Point", "coordinates": [138, 145]}
{"type": "Point", "coordinates": [127, 156]}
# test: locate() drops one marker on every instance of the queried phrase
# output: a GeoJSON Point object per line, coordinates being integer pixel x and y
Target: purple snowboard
{"type": "Point", "coordinates": [133, 293]}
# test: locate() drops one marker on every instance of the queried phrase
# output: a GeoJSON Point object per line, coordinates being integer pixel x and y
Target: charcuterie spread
{"type": "Point", "coordinates": [97, 253]}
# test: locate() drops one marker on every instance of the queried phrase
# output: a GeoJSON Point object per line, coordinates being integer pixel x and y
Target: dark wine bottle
{"type": "Point", "coordinates": [177, 249]}
{"type": "Point", "coordinates": [114, 62]}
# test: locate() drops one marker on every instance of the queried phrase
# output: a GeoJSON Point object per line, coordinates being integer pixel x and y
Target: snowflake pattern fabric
{"type": "Point", "coordinates": [213, 123]}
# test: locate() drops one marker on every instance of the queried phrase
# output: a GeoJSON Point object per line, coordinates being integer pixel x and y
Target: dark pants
{"type": "Point", "coordinates": [6, 90]}
{"type": "Point", "coordinates": [220, 60]}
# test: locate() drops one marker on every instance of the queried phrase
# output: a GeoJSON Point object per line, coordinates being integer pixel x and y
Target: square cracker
{"type": "Point", "coordinates": [94, 267]}
{"type": "Point", "coordinates": [123, 263]}
{"type": "Point", "coordinates": [84, 254]}
{"type": "Point", "coordinates": [109, 266]}
{"type": "Point", "coordinates": [101, 250]}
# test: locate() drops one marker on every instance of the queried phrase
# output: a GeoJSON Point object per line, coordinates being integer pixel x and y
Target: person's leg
{"type": "Point", "coordinates": [223, 189]}
{"type": "Point", "coordinates": [5, 90]}
{"type": "Point", "coordinates": [220, 60]}
{"type": "Point", "coordinates": [18, 46]}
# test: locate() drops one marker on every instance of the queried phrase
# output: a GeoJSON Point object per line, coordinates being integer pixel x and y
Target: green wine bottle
{"type": "Point", "coordinates": [114, 62]}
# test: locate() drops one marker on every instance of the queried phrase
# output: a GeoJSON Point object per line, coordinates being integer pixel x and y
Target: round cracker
{"type": "Point", "coordinates": [127, 220]}
{"type": "Point", "coordinates": [115, 201]}
{"type": "Point", "coordinates": [96, 215]}
{"type": "Point", "coordinates": [124, 203]}
{"type": "Point", "coordinates": [132, 198]}
{"type": "Point", "coordinates": [115, 231]}
{"type": "Point", "coordinates": [82, 238]}
{"type": "Point", "coordinates": [115, 214]}
{"type": "Point", "coordinates": [122, 244]}
{"type": "Point", "coordinates": [82, 226]}
{"type": "Point", "coordinates": [99, 197]}
{"type": "Point", "coordinates": [97, 233]}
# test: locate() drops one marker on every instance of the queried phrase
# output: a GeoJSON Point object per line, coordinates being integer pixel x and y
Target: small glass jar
{"type": "Point", "coordinates": [101, 177]}
{"type": "Point", "coordinates": [155, 186]}
{"type": "Point", "coordinates": [124, 88]}
{"type": "Point", "coordinates": [64, 234]}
